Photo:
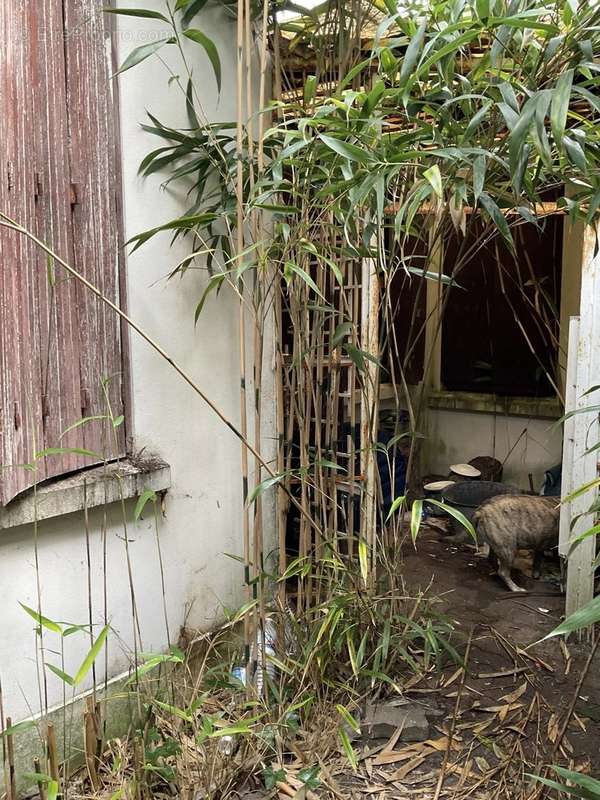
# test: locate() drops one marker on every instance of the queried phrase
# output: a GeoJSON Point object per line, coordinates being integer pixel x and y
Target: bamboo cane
{"type": "Point", "coordinates": [10, 752]}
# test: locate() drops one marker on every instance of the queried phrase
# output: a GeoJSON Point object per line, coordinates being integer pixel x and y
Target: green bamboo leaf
{"type": "Point", "coordinates": [264, 485]}
{"type": "Point", "coordinates": [142, 53]}
{"type": "Point", "coordinates": [325, 462]}
{"type": "Point", "coordinates": [479, 166]}
{"type": "Point", "coordinates": [232, 730]}
{"type": "Point", "coordinates": [214, 283]}
{"type": "Point", "coordinates": [348, 749]}
{"type": "Point", "coordinates": [190, 9]}
{"type": "Point", "coordinates": [52, 790]}
{"type": "Point", "coordinates": [483, 9]}
{"type": "Point", "coordinates": [475, 121]}
{"type": "Point", "coordinates": [62, 675]}
{"type": "Point", "coordinates": [434, 176]}
{"type": "Point", "coordinates": [346, 149]}
{"type": "Point", "coordinates": [511, 117]}
{"type": "Point", "coordinates": [453, 46]}
{"type": "Point", "coordinates": [575, 153]}
{"type": "Point", "coordinates": [574, 791]}
{"type": "Point", "coordinates": [560, 105]}
{"type": "Point", "coordinates": [458, 516]}
{"type": "Point", "coordinates": [189, 104]}
{"type": "Point", "coordinates": [146, 496]}
{"type": "Point", "coordinates": [578, 620]}
{"type": "Point", "coordinates": [583, 410]}
{"type": "Point", "coordinates": [412, 52]}
{"type": "Point", "coordinates": [446, 280]}
{"type": "Point", "coordinates": [174, 710]}
{"type": "Point", "coordinates": [581, 490]}
{"type": "Point", "coordinates": [41, 620]}
{"type": "Point", "coordinates": [360, 357]}
{"type": "Point", "coordinates": [340, 333]}
{"type": "Point", "coordinates": [593, 531]}
{"type": "Point", "coordinates": [75, 629]}
{"type": "Point", "coordinates": [363, 558]}
{"type": "Point", "coordinates": [589, 784]}
{"type": "Point", "coordinates": [527, 20]}
{"type": "Point", "coordinates": [152, 663]}
{"type": "Point", "coordinates": [181, 223]}
{"type": "Point", "coordinates": [293, 269]}
{"type": "Point", "coordinates": [348, 718]}
{"type": "Point", "coordinates": [352, 654]}
{"type": "Point", "coordinates": [398, 501]}
{"type": "Point", "coordinates": [415, 519]}
{"type": "Point", "coordinates": [63, 451]}
{"type": "Point", "coordinates": [137, 12]}
{"type": "Point", "coordinates": [80, 422]}
{"type": "Point", "coordinates": [498, 219]}
{"type": "Point", "coordinates": [18, 728]}
{"type": "Point", "coordinates": [209, 47]}
{"type": "Point", "coordinates": [520, 133]}
{"type": "Point", "coordinates": [93, 654]}
{"type": "Point", "coordinates": [37, 777]}
{"type": "Point", "coordinates": [310, 88]}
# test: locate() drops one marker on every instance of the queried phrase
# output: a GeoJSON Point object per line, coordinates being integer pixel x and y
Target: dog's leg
{"type": "Point", "coordinates": [504, 573]}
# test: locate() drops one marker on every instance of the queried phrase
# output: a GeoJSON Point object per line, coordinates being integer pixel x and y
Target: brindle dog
{"type": "Point", "coordinates": [507, 523]}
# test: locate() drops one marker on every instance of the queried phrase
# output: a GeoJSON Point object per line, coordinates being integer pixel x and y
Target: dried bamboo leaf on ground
{"type": "Point", "coordinates": [402, 755]}
{"type": "Point", "coordinates": [514, 696]}
{"type": "Point", "coordinates": [407, 768]}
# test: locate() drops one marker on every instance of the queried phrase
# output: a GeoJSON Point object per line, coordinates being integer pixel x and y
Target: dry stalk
{"type": "Point", "coordinates": [575, 697]}
{"type": "Point", "coordinates": [52, 753]}
{"type": "Point", "coordinates": [10, 753]}
{"type": "Point", "coordinates": [455, 714]}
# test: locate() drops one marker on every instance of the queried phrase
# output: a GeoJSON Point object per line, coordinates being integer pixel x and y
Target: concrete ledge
{"type": "Point", "coordinates": [533, 407]}
{"type": "Point", "coordinates": [118, 712]}
{"type": "Point", "coordinates": [94, 487]}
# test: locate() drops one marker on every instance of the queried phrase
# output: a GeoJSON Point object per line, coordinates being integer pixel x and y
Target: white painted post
{"type": "Point", "coordinates": [568, 437]}
{"type": "Point", "coordinates": [580, 569]}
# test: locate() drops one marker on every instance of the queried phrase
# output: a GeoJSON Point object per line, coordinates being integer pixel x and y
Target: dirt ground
{"type": "Point", "coordinates": [473, 596]}
{"type": "Point", "coordinates": [501, 721]}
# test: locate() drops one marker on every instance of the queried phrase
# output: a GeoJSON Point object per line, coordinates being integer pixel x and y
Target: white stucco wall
{"type": "Point", "coordinates": [458, 436]}
{"type": "Point", "coordinates": [204, 506]}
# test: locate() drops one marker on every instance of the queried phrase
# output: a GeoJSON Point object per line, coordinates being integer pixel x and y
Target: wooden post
{"type": "Point", "coordinates": [568, 437]}
{"type": "Point", "coordinates": [580, 569]}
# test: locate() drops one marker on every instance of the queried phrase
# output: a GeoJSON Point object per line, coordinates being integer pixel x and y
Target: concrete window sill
{"type": "Point", "coordinates": [94, 487]}
{"type": "Point", "coordinates": [538, 408]}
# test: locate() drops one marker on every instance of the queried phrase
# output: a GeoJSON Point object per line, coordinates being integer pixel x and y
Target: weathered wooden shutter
{"type": "Point", "coordinates": [60, 178]}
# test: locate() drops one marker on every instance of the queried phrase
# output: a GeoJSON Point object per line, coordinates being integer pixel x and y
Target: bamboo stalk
{"type": "Point", "coordinates": [369, 411]}
{"type": "Point", "coordinates": [38, 771]}
{"type": "Point", "coordinates": [88, 559]}
{"type": "Point", "coordinates": [52, 753]}
{"type": "Point", "coordinates": [249, 636]}
{"type": "Point", "coordinates": [3, 728]}
{"type": "Point", "coordinates": [90, 741]}
{"type": "Point", "coordinates": [10, 753]}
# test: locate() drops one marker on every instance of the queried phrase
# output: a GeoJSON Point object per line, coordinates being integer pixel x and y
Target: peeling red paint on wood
{"type": "Point", "coordinates": [58, 151]}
